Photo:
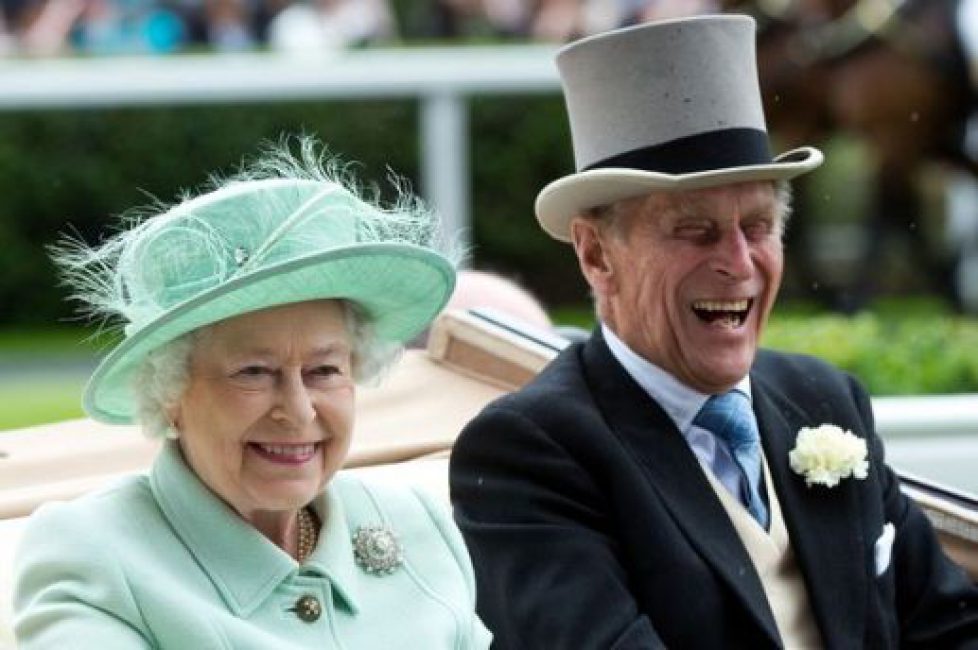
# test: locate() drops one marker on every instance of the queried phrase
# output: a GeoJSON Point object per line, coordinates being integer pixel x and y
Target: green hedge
{"type": "Point", "coordinates": [915, 352]}
{"type": "Point", "coordinates": [891, 356]}
{"type": "Point", "coordinates": [75, 170]}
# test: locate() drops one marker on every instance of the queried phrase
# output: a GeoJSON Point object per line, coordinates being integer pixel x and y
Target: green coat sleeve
{"type": "Point", "coordinates": [479, 637]}
{"type": "Point", "coordinates": [70, 591]}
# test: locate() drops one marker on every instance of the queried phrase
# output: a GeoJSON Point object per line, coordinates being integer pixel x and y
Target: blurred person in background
{"type": "Point", "coordinates": [601, 15]}
{"type": "Point", "coordinates": [228, 25]}
{"type": "Point", "coordinates": [46, 26]}
{"type": "Point", "coordinates": [250, 314]}
{"type": "Point", "coordinates": [475, 18]}
{"type": "Point", "coordinates": [494, 293]}
{"type": "Point", "coordinates": [558, 21]}
{"type": "Point", "coordinates": [487, 290]}
{"type": "Point", "coordinates": [330, 25]}
{"type": "Point", "coordinates": [103, 27]}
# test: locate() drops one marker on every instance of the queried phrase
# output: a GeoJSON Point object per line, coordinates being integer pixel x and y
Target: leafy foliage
{"type": "Point", "coordinates": [914, 354]}
{"type": "Point", "coordinates": [902, 348]}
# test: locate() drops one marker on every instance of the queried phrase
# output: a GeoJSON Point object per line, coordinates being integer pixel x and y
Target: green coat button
{"type": "Point", "coordinates": [308, 609]}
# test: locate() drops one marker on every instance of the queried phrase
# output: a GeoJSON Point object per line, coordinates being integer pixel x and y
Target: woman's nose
{"type": "Point", "coordinates": [294, 402]}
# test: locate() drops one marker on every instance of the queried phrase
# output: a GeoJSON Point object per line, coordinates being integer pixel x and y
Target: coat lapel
{"type": "Point", "coordinates": [823, 523]}
{"type": "Point", "coordinates": [675, 474]}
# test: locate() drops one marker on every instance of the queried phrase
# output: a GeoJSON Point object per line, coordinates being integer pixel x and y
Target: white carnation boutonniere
{"type": "Point", "coordinates": [826, 454]}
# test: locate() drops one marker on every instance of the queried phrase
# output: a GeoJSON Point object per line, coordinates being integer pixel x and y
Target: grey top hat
{"type": "Point", "coordinates": [670, 105]}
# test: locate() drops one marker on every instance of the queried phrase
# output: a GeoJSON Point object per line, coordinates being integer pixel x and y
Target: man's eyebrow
{"type": "Point", "coordinates": [688, 206]}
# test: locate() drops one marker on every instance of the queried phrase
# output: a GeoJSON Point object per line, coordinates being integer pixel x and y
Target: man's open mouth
{"type": "Point", "coordinates": [723, 313]}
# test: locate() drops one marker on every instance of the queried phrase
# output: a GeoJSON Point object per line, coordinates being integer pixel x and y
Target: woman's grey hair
{"type": "Point", "coordinates": [165, 373]}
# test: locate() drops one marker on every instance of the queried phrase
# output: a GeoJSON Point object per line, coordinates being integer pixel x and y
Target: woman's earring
{"type": "Point", "coordinates": [171, 432]}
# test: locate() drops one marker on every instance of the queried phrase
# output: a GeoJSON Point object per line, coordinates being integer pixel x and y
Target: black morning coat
{"type": "Point", "coordinates": [592, 525]}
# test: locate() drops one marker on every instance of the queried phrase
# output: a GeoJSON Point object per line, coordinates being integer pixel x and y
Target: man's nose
{"type": "Point", "coordinates": [732, 257]}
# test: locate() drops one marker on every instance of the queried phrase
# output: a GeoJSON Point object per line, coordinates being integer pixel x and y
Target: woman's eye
{"type": "Point", "coordinates": [325, 371]}
{"type": "Point", "coordinates": [250, 372]}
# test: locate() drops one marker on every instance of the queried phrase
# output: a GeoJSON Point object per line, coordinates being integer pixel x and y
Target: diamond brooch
{"type": "Point", "coordinates": [240, 255]}
{"type": "Point", "coordinates": [377, 550]}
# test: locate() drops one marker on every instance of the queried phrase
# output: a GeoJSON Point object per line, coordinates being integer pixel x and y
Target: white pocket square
{"type": "Point", "coordinates": [884, 549]}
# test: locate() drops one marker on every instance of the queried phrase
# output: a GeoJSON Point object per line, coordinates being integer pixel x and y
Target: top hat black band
{"type": "Point", "coordinates": [696, 153]}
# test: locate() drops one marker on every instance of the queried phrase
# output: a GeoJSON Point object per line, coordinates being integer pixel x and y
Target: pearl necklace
{"type": "Point", "coordinates": [308, 526]}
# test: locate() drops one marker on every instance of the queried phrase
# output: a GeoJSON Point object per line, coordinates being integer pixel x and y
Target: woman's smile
{"type": "Point", "coordinates": [286, 454]}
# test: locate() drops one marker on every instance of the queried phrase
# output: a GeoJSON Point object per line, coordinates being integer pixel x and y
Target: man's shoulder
{"type": "Point", "coordinates": [556, 406]}
{"type": "Point", "coordinates": [790, 372]}
{"type": "Point", "coordinates": [562, 380]}
{"type": "Point", "coordinates": [789, 365]}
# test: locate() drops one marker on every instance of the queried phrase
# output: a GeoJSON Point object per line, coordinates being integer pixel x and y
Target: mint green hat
{"type": "Point", "coordinates": [250, 245]}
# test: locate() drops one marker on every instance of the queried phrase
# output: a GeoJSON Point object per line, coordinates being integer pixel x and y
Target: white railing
{"type": "Point", "coordinates": [927, 415]}
{"type": "Point", "coordinates": [441, 79]}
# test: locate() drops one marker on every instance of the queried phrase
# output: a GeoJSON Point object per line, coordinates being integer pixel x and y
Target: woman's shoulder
{"type": "Point", "coordinates": [411, 508]}
{"type": "Point", "coordinates": [82, 541]}
{"type": "Point", "coordinates": [122, 503]}
{"type": "Point", "coordinates": [399, 511]}
{"type": "Point", "coordinates": [388, 495]}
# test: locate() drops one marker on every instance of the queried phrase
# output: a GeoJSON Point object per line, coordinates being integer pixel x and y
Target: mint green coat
{"type": "Point", "coordinates": [159, 562]}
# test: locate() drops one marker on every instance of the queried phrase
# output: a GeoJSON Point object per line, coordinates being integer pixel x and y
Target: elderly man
{"type": "Point", "coordinates": [666, 483]}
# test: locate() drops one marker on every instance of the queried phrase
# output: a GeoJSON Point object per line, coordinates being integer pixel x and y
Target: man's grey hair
{"type": "Point", "coordinates": [165, 373]}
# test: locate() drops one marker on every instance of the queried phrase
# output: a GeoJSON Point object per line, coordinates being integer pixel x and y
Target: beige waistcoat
{"type": "Point", "coordinates": [774, 560]}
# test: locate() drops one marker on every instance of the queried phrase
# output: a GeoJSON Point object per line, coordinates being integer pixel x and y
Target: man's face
{"type": "Point", "coordinates": [687, 279]}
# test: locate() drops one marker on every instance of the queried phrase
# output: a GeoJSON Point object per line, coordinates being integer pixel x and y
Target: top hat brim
{"type": "Point", "coordinates": [401, 287]}
{"type": "Point", "coordinates": [572, 195]}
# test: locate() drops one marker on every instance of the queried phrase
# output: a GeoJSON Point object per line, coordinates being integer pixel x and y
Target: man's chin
{"type": "Point", "coordinates": [722, 372]}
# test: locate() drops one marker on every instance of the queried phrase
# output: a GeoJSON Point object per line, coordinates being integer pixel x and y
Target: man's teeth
{"type": "Point", "coordinates": [296, 451]}
{"type": "Point", "coordinates": [722, 305]}
{"type": "Point", "coordinates": [728, 320]}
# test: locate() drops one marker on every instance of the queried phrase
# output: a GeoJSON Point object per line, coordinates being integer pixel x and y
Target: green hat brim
{"type": "Point", "coordinates": [402, 287]}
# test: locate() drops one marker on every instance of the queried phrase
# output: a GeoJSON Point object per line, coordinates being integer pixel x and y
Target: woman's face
{"type": "Point", "coordinates": [267, 416]}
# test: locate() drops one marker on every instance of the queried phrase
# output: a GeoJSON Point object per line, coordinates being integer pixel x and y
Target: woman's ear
{"type": "Point", "coordinates": [591, 244]}
{"type": "Point", "coordinates": [174, 416]}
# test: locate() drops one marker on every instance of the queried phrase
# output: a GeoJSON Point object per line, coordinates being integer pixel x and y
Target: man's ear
{"type": "Point", "coordinates": [591, 247]}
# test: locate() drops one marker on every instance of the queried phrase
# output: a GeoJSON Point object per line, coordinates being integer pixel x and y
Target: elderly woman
{"type": "Point", "coordinates": [251, 311]}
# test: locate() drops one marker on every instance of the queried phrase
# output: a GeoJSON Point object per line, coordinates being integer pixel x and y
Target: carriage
{"type": "Point", "coordinates": [405, 430]}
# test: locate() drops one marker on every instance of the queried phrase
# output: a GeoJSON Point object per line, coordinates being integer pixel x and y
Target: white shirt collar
{"type": "Point", "coordinates": [680, 402]}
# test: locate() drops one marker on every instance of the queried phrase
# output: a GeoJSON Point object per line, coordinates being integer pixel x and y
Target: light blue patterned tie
{"type": "Point", "coordinates": [729, 417]}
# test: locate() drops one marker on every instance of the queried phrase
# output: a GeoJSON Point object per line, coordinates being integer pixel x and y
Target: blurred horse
{"type": "Point", "coordinates": [894, 73]}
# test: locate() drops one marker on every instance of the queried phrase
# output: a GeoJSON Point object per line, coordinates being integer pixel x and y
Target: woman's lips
{"type": "Point", "coordinates": [294, 454]}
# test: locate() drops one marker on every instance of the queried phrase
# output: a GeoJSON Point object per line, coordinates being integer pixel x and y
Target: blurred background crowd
{"type": "Point", "coordinates": [57, 27]}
